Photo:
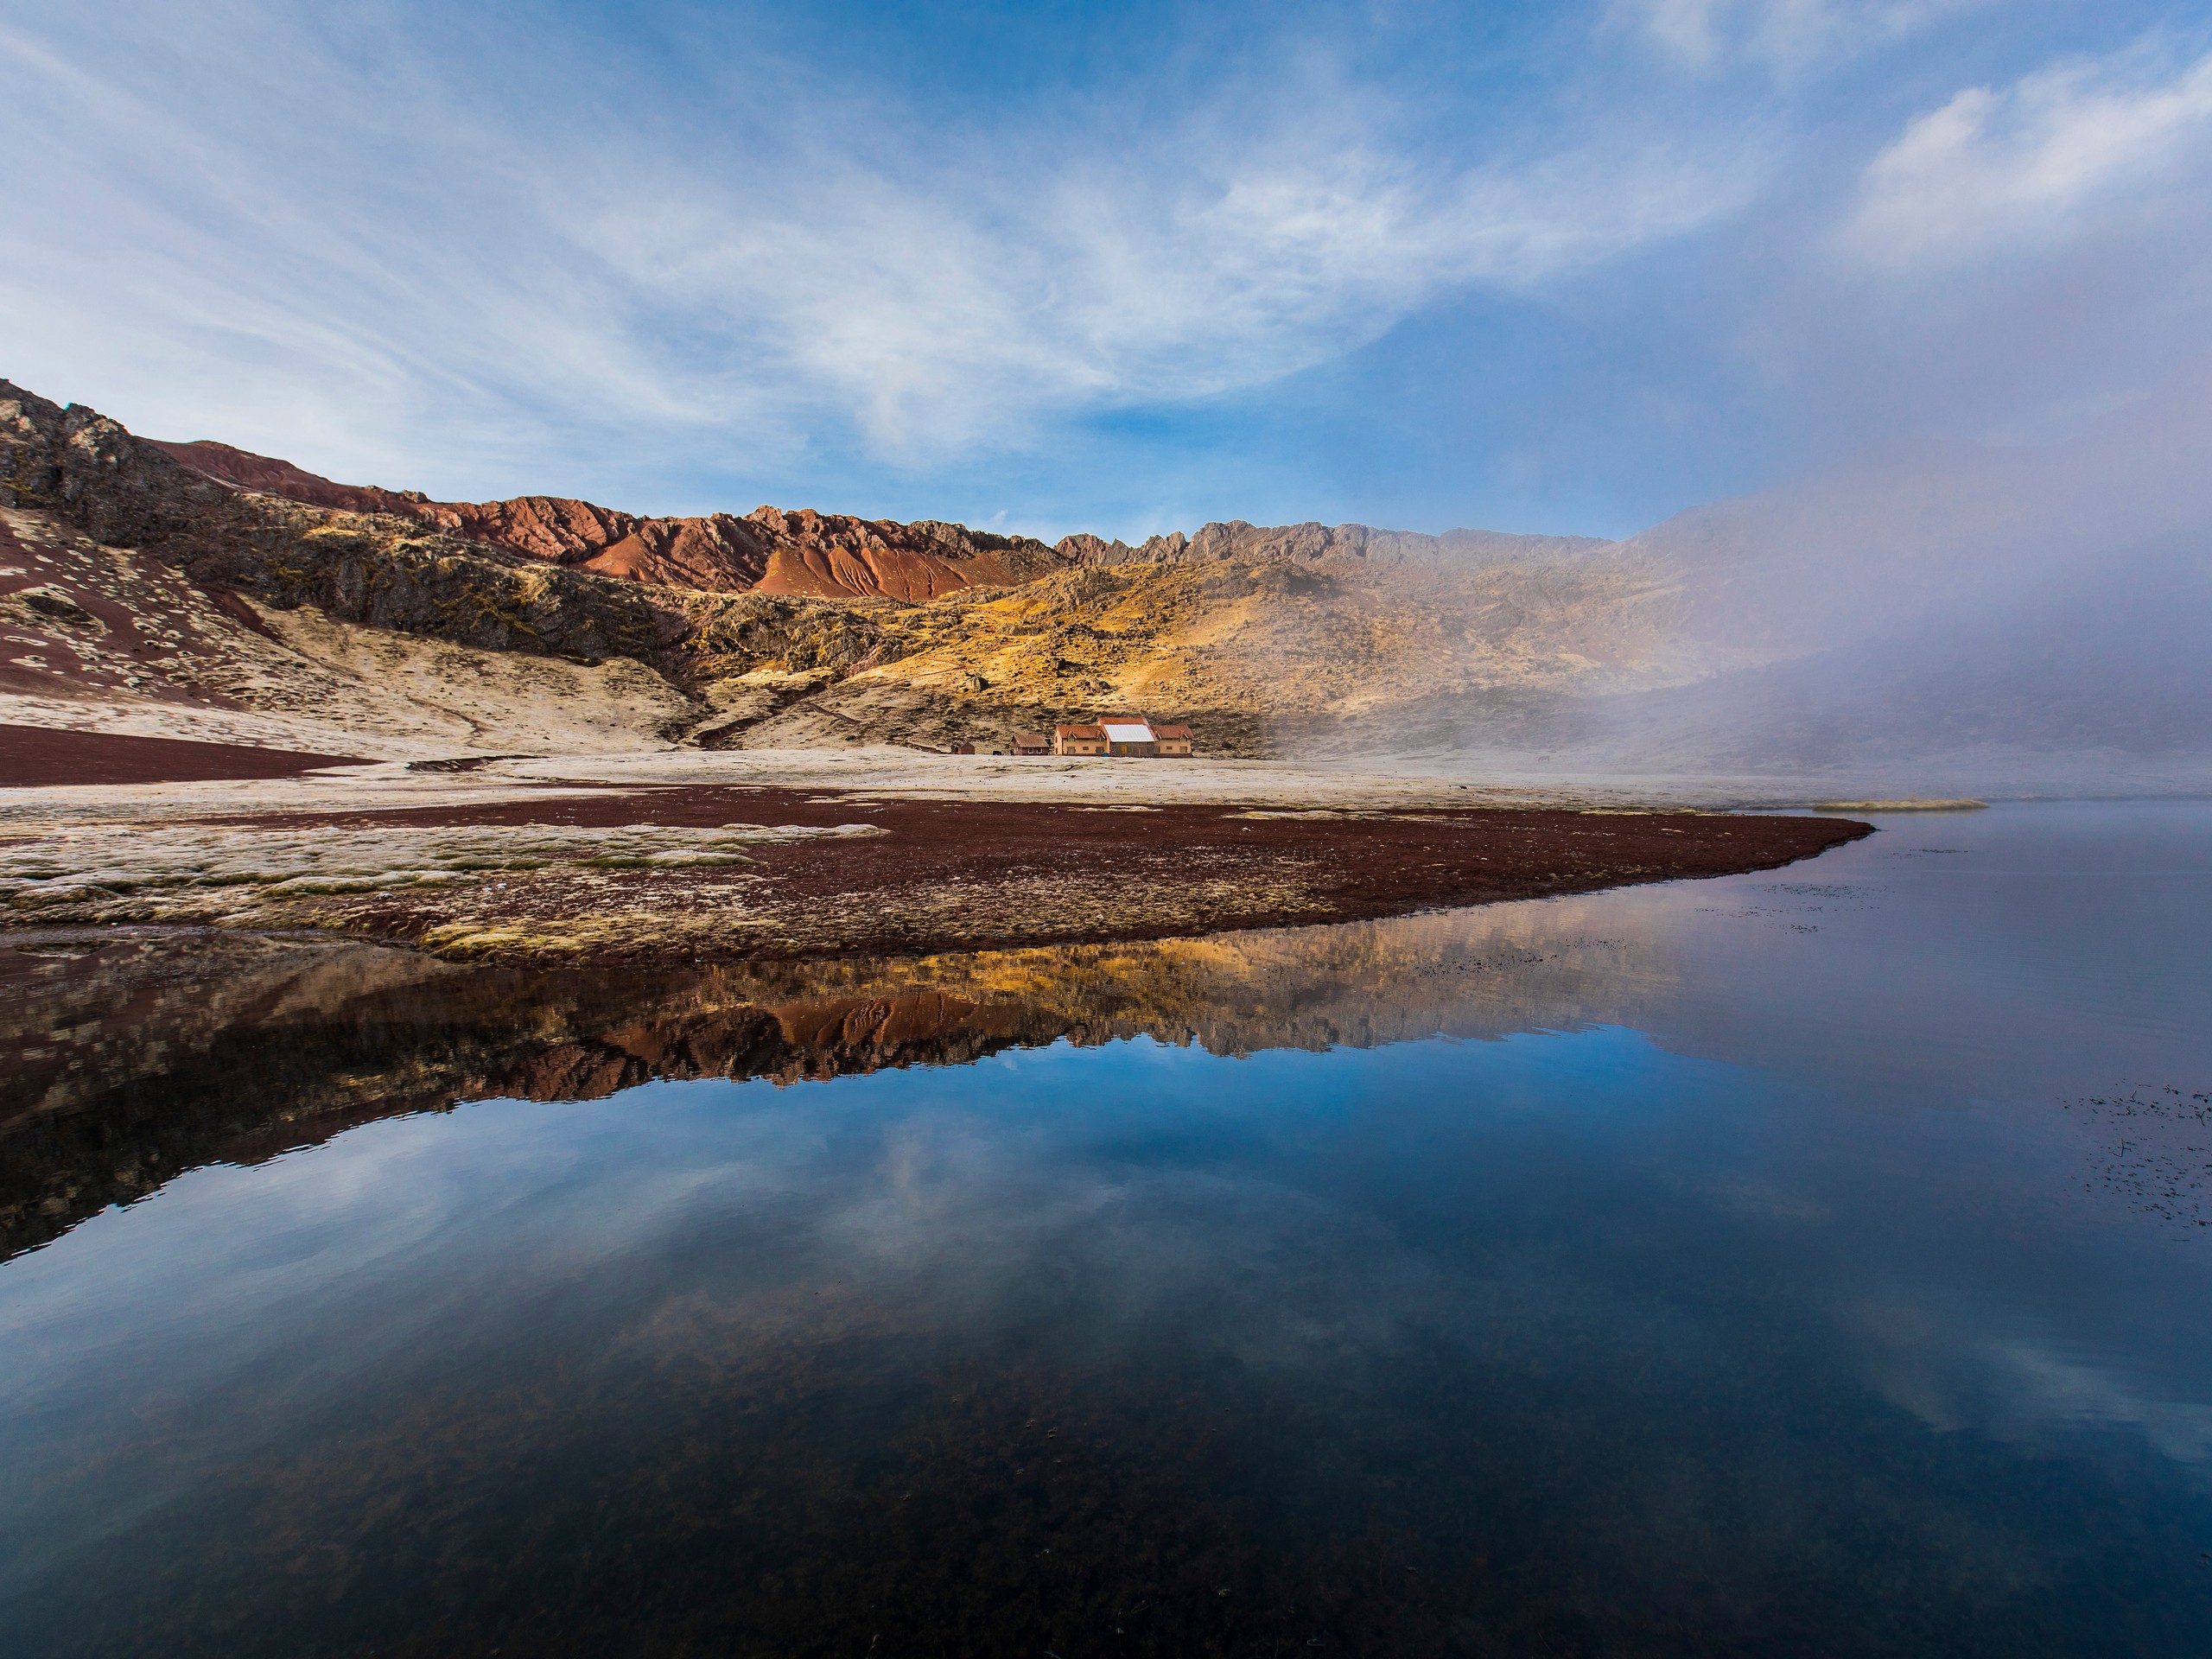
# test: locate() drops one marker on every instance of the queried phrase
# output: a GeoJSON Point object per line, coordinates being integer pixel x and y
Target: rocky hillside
{"type": "Point", "coordinates": [384, 570]}
{"type": "Point", "coordinates": [201, 577]}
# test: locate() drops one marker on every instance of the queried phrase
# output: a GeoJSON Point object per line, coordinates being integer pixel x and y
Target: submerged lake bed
{"type": "Point", "coordinates": [1811, 1260]}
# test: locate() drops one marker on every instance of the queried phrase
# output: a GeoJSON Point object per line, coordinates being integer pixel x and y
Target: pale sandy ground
{"type": "Point", "coordinates": [894, 773]}
{"type": "Point", "coordinates": [884, 773]}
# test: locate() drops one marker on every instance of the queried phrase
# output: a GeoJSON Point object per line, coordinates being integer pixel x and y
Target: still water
{"type": "Point", "coordinates": [1812, 1261]}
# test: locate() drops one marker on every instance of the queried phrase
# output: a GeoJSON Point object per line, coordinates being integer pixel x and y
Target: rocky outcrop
{"type": "Point", "coordinates": [716, 553]}
{"type": "Point", "coordinates": [118, 489]}
{"type": "Point", "coordinates": [741, 633]}
{"type": "Point", "coordinates": [1084, 548]}
{"type": "Point", "coordinates": [829, 556]}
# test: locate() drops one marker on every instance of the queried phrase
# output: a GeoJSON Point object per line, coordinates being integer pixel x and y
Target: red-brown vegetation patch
{"type": "Point", "coordinates": [1345, 867]}
{"type": "Point", "coordinates": [33, 757]}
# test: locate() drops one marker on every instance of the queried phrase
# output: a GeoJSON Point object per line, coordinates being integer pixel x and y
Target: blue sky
{"type": "Point", "coordinates": [1050, 267]}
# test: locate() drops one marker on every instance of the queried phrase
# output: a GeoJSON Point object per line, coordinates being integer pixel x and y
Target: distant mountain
{"type": "Point", "coordinates": [1313, 542]}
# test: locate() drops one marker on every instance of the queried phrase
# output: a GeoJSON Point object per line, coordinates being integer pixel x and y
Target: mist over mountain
{"type": "Point", "coordinates": [1949, 617]}
{"type": "Point", "coordinates": [2025, 616]}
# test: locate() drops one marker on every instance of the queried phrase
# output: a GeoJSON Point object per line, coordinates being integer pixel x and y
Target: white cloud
{"type": "Point", "coordinates": [2032, 165]}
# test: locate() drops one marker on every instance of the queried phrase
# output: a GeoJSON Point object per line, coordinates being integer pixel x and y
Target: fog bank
{"type": "Point", "coordinates": [2016, 619]}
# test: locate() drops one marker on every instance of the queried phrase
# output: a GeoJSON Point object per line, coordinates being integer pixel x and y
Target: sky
{"type": "Point", "coordinates": [1047, 267]}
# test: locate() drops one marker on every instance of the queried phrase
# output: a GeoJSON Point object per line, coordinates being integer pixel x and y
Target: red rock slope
{"type": "Point", "coordinates": [770, 550]}
{"type": "Point", "coordinates": [244, 470]}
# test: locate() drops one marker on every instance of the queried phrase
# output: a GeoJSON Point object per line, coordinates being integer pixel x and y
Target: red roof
{"type": "Point", "coordinates": [1097, 732]}
{"type": "Point", "coordinates": [1172, 732]}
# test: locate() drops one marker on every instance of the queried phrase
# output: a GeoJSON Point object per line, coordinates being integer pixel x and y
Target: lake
{"type": "Point", "coordinates": [1815, 1260]}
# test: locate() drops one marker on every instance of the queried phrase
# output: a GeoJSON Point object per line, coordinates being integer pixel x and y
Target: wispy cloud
{"type": "Point", "coordinates": [956, 315]}
{"type": "Point", "coordinates": [381, 245]}
{"type": "Point", "coordinates": [669, 256]}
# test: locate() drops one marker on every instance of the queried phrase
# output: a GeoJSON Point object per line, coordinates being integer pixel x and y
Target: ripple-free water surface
{"type": "Point", "coordinates": [1808, 1261]}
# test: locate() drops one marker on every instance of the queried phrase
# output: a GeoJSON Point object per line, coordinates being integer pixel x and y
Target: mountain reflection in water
{"type": "Point", "coordinates": [145, 1053]}
{"type": "Point", "coordinates": [1816, 1262]}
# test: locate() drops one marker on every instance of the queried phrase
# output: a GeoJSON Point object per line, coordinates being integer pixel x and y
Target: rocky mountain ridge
{"type": "Point", "coordinates": [769, 550]}
{"type": "Point", "coordinates": [1984, 605]}
{"type": "Point", "coordinates": [777, 550]}
{"type": "Point", "coordinates": [204, 577]}
{"type": "Point", "coordinates": [1313, 541]}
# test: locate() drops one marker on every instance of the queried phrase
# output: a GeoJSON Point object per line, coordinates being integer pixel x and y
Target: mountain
{"type": "Point", "coordinates": [284, 593]}
{"type": "Point", "coordinates": [261, 592]}
{"type": "Point", "coordinates": [1314, 541]}
{"type": "Point", "coordinates": [1960, 616]}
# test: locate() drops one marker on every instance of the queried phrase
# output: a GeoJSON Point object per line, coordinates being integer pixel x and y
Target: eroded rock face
{"type": "Point", "coordinates": [829, 555]}
{"type": "Point", "coordinates": [716, 553]}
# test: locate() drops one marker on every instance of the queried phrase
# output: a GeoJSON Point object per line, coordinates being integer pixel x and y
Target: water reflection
{"type": "Point", "coordinates": [144, 1054]}
{"type": "Point", "coordinates": [1761, 1289]}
